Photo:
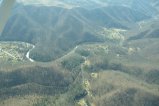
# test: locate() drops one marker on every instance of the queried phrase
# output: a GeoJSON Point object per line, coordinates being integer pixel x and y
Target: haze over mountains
{"type": "Point", "coordinates": [58, 24]}
{"type": "Point", "coordinates": [85, 52]}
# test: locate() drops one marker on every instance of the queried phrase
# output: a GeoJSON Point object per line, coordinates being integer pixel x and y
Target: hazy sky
{"type": "Point", "coordinates": [35, 1]}
{"type": "Point", "coordinates": [0, 1]}
{"type": "Point", "coordinates": [46, 3]}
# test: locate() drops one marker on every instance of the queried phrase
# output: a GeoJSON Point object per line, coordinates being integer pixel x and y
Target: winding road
{"type": "Point", "coordinates": [28, 54]}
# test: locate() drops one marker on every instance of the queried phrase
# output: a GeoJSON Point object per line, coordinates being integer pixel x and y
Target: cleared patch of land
{"type": "Point", "coordinates": [14, 51]}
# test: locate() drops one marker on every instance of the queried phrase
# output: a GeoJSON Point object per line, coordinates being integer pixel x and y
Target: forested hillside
{"type": "Point", "coordinates": [80, 53]}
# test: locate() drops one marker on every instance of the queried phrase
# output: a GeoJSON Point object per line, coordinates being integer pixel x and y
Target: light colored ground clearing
{"type": "Point", "coordinates": [14, 51]}
{"type": "Point", "coordinates": [112, 34]}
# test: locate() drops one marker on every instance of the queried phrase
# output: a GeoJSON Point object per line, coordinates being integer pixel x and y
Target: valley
{"type": "Point", "coordinates": [104, 71]}
{"type": "Point", "coordinates": [80, 53]}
